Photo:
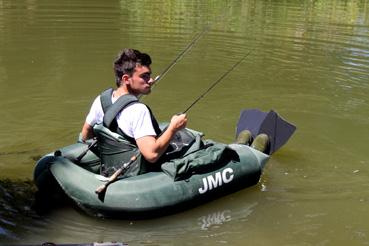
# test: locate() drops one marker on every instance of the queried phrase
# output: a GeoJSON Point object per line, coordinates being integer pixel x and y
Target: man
{"type": "Point", "coordinates": [135, 123]}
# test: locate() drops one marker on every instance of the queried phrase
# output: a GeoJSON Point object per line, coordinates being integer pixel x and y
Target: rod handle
{"type": "Point", "coordinates": [115, 175]}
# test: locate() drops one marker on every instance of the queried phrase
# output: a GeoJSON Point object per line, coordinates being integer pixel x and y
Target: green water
{"type": "Point", "coordinates": [309, 62]}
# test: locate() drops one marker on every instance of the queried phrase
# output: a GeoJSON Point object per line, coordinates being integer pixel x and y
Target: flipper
{"type": "Point", "coordinates": [257, 122]}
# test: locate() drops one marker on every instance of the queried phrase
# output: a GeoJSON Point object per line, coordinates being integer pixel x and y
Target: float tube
{"type": "Point", "coordinates": [148, 195]}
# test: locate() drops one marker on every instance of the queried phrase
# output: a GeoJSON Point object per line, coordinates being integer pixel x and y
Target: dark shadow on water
{"type": "Point", "coordinates": [22, 208]}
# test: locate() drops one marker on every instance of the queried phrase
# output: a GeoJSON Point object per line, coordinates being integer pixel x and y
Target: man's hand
{"type": "Point", "coordinates": [152, 148]}
{"type": "Point", "coordinates": [178, 122]}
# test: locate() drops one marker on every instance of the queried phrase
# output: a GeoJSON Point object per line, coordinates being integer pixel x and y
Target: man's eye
{"type": "Point", "coordinates": [145, 76]}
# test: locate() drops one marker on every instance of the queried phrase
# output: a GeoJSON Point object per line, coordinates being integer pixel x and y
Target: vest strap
{"type": "Point", "coordinates": [105, 99]}
{"type": "Point", "coordinates": [111, 110]}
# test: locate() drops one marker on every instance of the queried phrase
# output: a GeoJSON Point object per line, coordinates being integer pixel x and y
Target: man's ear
{"type": "Point", "coordinates": [125, 79]}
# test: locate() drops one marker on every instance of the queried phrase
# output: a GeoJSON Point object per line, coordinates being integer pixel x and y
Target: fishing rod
{"type": "Point", "coordinates": [179, 56]}
{"type": "Point", "coordinates": [188, 47]}
{"type": "Point", "coordinates": [126, 165]}
{"type": "Point", "coordinates": [102, 188]}
{"type": "Point", "coordinates": [217, 82]}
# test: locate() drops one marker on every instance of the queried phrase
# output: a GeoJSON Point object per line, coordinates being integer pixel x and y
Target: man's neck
{"type": "Point", "coordinates": [120, 91]}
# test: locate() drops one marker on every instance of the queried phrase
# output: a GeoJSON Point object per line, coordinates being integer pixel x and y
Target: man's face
{"type": "Point", "coordinates": [140, 82]}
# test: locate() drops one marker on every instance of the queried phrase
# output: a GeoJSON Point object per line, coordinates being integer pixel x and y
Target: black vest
{"type": "Point", "coordinates": [115, 146]}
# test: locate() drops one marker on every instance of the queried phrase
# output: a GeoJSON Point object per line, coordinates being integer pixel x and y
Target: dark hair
{"type": "Point", "coordinates": [126, 63]}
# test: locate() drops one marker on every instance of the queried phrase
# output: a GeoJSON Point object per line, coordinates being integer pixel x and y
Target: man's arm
{"type": "Point", "coordinates": [153, 147]}
{"type": "Point", "coordinates": [87, 132]}
{"type": "Point", "coordinates": [95, 113]}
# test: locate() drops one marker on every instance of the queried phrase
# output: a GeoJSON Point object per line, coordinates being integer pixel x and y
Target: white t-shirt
{"type": "Point", "coordinates": [134, 120]}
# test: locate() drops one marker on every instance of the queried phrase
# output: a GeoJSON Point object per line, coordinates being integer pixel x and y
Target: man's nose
{"type": "Point", "coordinates": [151, 81]}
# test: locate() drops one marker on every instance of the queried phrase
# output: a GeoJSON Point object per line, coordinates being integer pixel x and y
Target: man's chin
{"type": "Point", "coordinates": [148, 91]}
{"type": "Point", "coordinates": [137, 93]}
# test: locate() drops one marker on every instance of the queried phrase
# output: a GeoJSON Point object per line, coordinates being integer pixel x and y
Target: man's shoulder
{"type": "Point", "coordinates": [96, 102]}
{"type": "Point", "coordinates": [138, 107]}
{"type": "Point", "coordinates": [134, 112]}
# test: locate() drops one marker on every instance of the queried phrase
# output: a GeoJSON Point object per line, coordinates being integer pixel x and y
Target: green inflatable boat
{"type": "Point", "coordinates": [184, 182]}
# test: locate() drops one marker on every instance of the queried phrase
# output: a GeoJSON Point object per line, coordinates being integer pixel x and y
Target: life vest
{"type": "Point", "coordinates": [116, 147]}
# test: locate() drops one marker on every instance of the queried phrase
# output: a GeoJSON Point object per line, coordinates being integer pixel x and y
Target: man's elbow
{"type": "Point", "coordinates": [149, 148]}
{"type": "Point", "coordinates": [87, 132]}
{"type": "Point", "coordinates": [152, 157]}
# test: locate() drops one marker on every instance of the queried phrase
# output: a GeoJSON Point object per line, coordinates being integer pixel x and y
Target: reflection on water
{"type": "Point", "coordinates": [20, 221]}
{"type": "Point", "coordinates": [220, 217]}
{"type": "Point", "coordinates": [213, 219]}
{"type": "Point", "coordinates": [310, 63]}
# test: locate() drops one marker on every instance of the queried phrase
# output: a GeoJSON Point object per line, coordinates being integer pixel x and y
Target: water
{"type": "Point", "coordinates": [309, 62]}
